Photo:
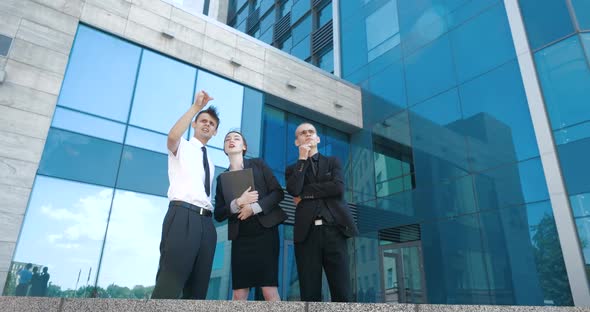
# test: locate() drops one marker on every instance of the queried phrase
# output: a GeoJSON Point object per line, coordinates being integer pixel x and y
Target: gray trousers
{"type": "Point", "coordinates": [186, 255]}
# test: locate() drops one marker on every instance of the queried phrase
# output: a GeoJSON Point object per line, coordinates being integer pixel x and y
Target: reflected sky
{"type": "Point", "coordinates": [64, 228]}
{"type": "Point", "coordinates": [132, 244]}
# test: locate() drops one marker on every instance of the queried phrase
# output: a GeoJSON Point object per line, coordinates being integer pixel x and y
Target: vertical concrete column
{"type": "Point", "coordinates": [218, 10]}
{"type": "Point", "coordinates": [42, 33]}
{"type": "Point", "coordinates": [564, 220]}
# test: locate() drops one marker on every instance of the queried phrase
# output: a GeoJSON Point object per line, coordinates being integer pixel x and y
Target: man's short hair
{"type": "Point", "coordinates": [212, 111]}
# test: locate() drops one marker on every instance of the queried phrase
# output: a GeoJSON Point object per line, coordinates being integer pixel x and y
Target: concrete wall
{"type": "Point", "coordinates": [43, 32]}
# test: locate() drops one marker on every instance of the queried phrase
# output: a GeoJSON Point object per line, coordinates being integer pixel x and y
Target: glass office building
{"type": "Point", "coordinates": [446, 180]}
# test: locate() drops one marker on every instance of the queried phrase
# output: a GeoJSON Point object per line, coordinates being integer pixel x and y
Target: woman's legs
{"type": "Point", "coordinates": [241, 294]}
{"type": "Point", "coordinates": [271, 293]}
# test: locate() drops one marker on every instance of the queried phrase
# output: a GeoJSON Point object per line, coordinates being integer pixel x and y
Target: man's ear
{"type": "Point", "coordinates": [296, 144]}
{"type": "Point", "coordinates": [318, 140]}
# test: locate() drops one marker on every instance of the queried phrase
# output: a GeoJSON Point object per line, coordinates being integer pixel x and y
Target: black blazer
{"type": "Point", "coordinates": [327, 186]}
{"type": "Point", "coordinates": [270, 194]}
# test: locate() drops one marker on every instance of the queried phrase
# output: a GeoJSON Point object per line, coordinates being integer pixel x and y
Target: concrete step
{"type": "Point", "coordinates": [35, 304]}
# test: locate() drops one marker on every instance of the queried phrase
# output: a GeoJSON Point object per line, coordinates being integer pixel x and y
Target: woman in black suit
{"type": "Point", "coordinates": [253, 220]}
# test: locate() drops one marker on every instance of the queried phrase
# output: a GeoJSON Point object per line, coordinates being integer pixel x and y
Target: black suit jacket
{"type": "Point", "coordinates": [327, 186]}
{"type": "Point", "coordinates": [270, 194]}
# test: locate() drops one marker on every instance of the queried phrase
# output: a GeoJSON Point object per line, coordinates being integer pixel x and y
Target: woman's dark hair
{"type": "Point", "coordinates": [243, 140]}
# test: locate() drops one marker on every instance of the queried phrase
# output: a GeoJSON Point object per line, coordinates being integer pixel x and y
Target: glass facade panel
{"type": "Point", "coordinates": [564, 76]}
{"type": "Point", "coordinates": [89, 85]}
{"type": "Point", "coordinates": [161, 82]}
{"type": "Point", "coordinates": [326, 61]}
{"type": "Point", "coordinates": [80, 158]}
{"type": "Point", "coordinates": [574, 165]}
{"type": "Point", "coordinates": [64, 230]}
{"type": "Point", "coordinates": [505, 114]}
{"type": "Point", "coordinates": [228, 98]}
{"type": "Point", "coordinates": [134, 174]}
{"type": "Point", "coordinates": [430, 71]}
{"type": "Point", "coordinates": [487, 36]}
{"type": "Point", "coordinates": [582, 9]}
{"type": "Point", "coordinates": [300, 8]}
{"type": "Point", "coordinates": [67, 119]}
{"type": "Point", "coordinates": [325, 15]}
{"type": "Point", "coordinates": [133, 234]}
{"type": "Point", "coordinates": [301, 30]}
{"type": "Point", "coordinates": [536, 14]}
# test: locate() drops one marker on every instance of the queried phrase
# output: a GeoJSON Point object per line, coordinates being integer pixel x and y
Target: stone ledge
{"type": "Point", "coordinates": [22, 304]}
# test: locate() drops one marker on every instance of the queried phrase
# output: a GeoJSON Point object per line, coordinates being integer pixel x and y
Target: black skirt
{"type": "Point", "coordinates": [255, 255]}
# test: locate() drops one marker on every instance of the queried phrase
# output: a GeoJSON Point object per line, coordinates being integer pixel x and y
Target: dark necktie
{"type": "Point", "coordinates": [314, 166]}
{"type": "Point", "coordinates": [206, 166]}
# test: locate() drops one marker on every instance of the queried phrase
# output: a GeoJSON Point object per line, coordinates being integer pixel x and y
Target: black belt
{"type": "Point", "coordinates": [202, 211]}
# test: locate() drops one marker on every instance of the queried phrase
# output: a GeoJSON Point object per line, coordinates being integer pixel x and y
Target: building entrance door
{"type": "Point", "coordinates": [402, 273]}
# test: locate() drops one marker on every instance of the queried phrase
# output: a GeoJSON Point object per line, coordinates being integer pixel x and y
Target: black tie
{"type": "Point", "coordinates": [206, 166]}
{"type": "Point", "coordinates": [314, 166]}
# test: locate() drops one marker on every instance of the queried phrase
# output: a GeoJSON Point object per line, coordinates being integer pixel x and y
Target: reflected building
{"type": "Point", "coordinates": [462, 191]}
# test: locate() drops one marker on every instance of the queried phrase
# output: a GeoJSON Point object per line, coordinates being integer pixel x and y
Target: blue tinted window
{"type": "Point", "coordinates": [459, 263]}
{"type": "Point", "coordinates": [265, 5]}
{"type": "Point", "coordinates": [482, 43]}
{"type": "Point", "coordinates": [303, 49]}
{"type": "Point", "coordinates": [573, 133]}
{"type": "Point", "coordinates": [582, 8]}
{"type": "Point", "coordinates": [82, 123]}
{"type": "Point", "coordinates": [325, 15]}
{"type": "Point", "coordinates": [299, 9]}
{"type": "Point", "coordinates": [565, 77]}
{"type": "Point", "coordinates": [100, 75]}
{"type": "Point", "coordinates": [581, 205]}
{"type": "Point", "coordinates": [326, 61]}
{"type": "Point", "coordinates": [382, 30]}
{"type": "Point", "coordinates": [301, 30]}
{"type": "Point", "coordinates": [354, 46]}
{"type": "Point", "coordinates": [275, 132]}
{"type": "Point", "coordinates": [81, 158]}
{"type": "Point", "coordinates": [536, 14]}
{"type": "Point", "coordinates": [510, 185]}
{"type": "Point", "coordinates": [461, 11]}
{"type": "Point", "coordinates": [440, 150]}
{"type": "Point", "coordinates": [389, 85]}
{"type": "Point", "coordinates": [420, 23]}
{"type": "Point", "coordinates": [430, 70]}
{"type": "Point", "coordinates": [573, 158]}
{"type": "Point", "coordinates": [228, 98]}
{"type": "Point", "coordinates": [498, 124]}
{"type": "Point", "coordinates": [267, 21]}
{"type": "Point", "coordinates": [143, 171]}
{"type": "Point", "coordinates": [285, 7]}
{"type": "Point", "coordinates": [138, 215]}
{"type": "Point", "coordinates": [64, 229]}
{"type": "Point", "coordinates": [146, 139]}
{"type": "Point", "coordinates": [286, 43]}
{"type": "Point", "coordinates": [165, 86]}
{"type": "Point", "coordinates": [252, 120]}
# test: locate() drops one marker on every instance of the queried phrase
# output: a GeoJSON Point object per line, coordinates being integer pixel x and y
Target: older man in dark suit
{"type": "Point", "coordinates": [323, 221]}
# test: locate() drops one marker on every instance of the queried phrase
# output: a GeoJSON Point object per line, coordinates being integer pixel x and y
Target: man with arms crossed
{"type": "Point", "coordinates": [188, 234]}
{"type": "Point", "coordinates": [323, 221]}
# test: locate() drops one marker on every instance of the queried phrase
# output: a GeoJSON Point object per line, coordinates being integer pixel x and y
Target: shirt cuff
{"type": "Point", "coordinates": [256, 208]}
{"type": "Point", "coordinates": [234, 208]}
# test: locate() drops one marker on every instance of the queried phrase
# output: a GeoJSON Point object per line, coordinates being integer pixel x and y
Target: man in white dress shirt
{"type": "Point", "coordinates": [188, 234]}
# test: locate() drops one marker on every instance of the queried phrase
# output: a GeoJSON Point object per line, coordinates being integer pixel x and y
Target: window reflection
{"type": "Point", "coordinates": [165, 86]}
{"type": "Point", "coordinates": [63, 230]}
{"type": "Point", "coordinates": [100, 75]}
{"type": "Point", "coordinates": [228, 98]}
{"type": "Point", "coordinates": [131, 251]}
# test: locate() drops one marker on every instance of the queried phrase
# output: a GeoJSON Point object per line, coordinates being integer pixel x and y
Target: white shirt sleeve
{"type": "Point", "coordinates": [256, 208]}
{"type": "Point", "coordinates": [234, 208]}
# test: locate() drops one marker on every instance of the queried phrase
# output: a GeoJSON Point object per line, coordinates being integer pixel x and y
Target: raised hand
{"type": "Point", "coordinates": [304, 151]}
{"type": "Point", "coordinates": [201, 100]}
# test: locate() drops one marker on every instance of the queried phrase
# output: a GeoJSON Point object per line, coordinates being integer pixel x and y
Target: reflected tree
{"type": "Point", "coordinates": [550, 265]}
